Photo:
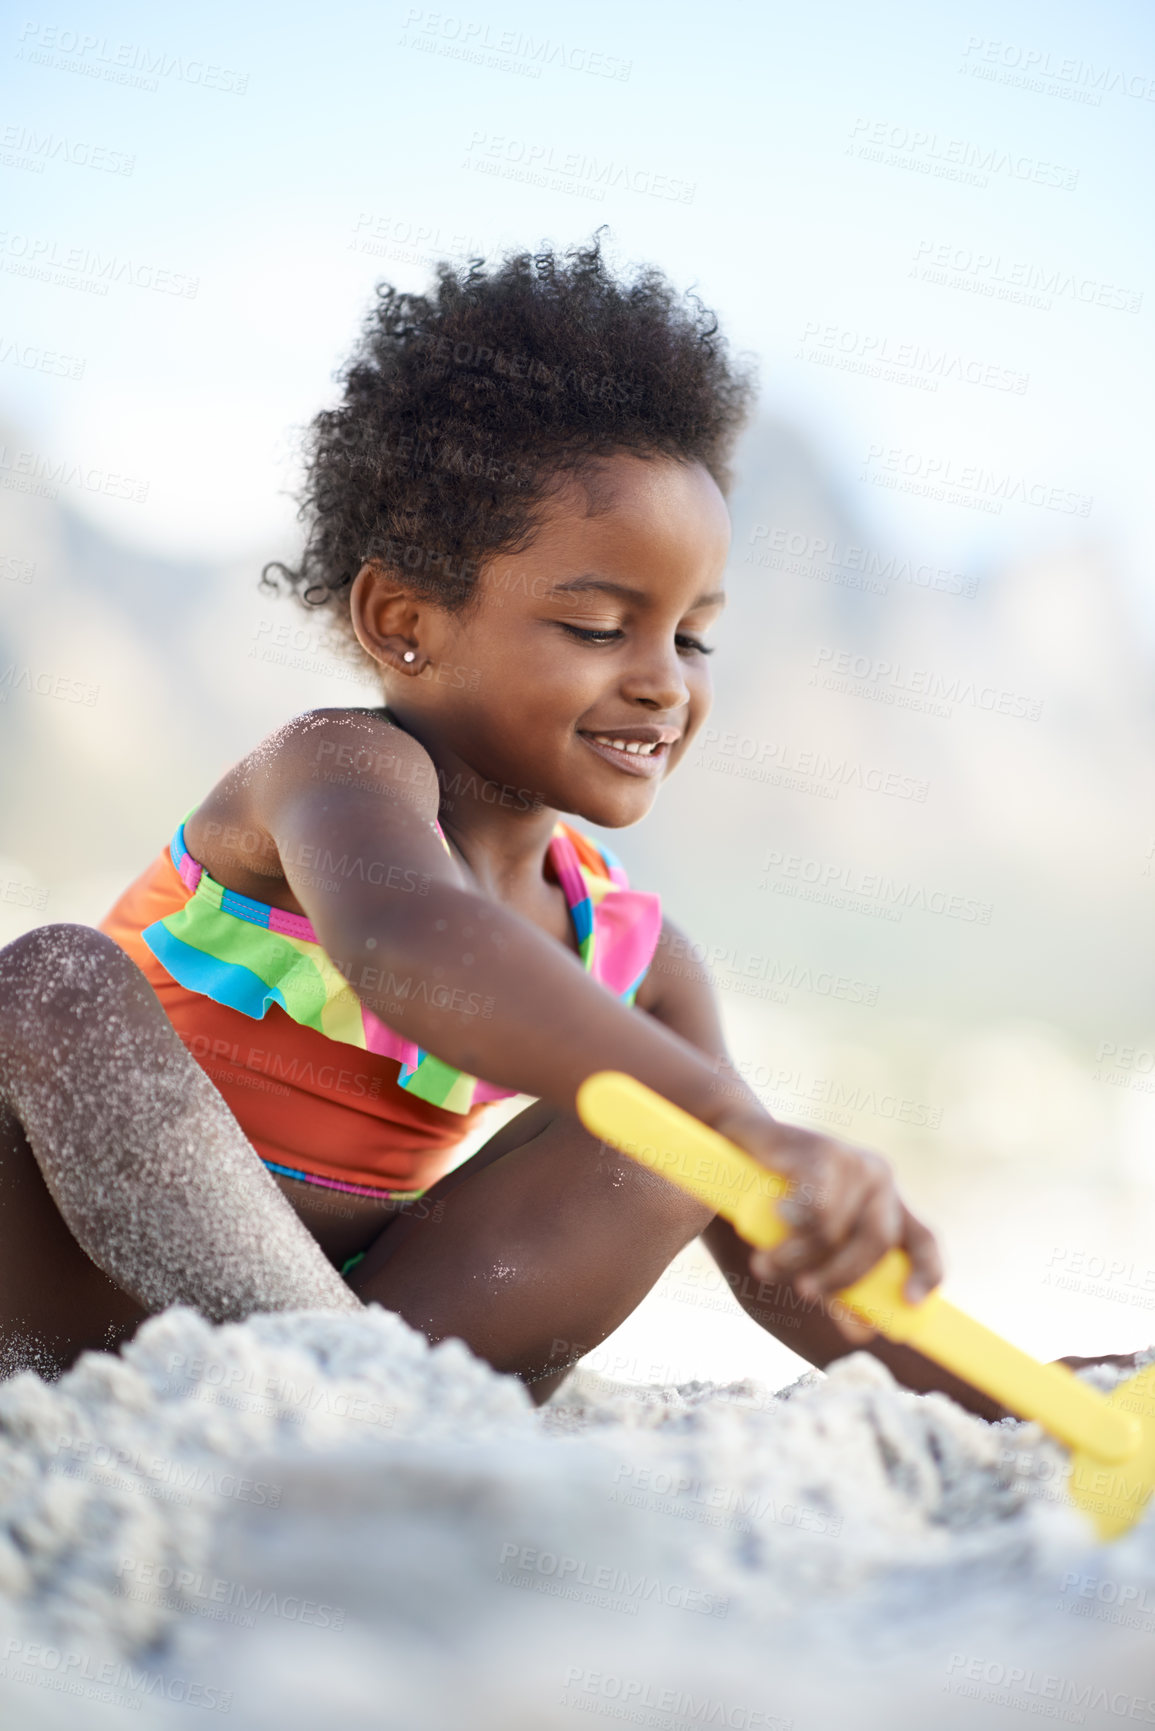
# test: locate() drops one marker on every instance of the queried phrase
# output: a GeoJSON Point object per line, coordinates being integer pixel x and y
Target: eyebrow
{"type": "Point", "coordinates": [581, 585]}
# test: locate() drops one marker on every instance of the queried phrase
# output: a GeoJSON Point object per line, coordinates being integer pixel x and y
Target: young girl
{"type": "Point", "coordinates": [247, 1094]}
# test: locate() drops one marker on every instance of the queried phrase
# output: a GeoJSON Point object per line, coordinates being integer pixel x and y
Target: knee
{"type": "Point", "coordinates": [57, 952]}
{"type": "Point", "coordinates": [46, 976]}
{"type": "Point", "coordinates": [627, 1186]}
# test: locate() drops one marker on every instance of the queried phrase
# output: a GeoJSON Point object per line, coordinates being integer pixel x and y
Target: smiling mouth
{"type": "Point", "coordinates": [633, 747]}
{"type": "Point", "coordinates": [641, 757]}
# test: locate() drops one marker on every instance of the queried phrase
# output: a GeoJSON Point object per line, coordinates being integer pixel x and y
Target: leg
{"type": "Point", "coordinates": [125, 1183]}
{"type": "Point", "coordinates": [806, 1328]}
{"type": "Point", "coordinates": [54, 1301]}
{"type": "Point", "coordinates": [541, 1245]}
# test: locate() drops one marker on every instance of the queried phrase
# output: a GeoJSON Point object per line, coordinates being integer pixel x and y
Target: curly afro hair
{"type": "Point", "coordinates": [463, 410]}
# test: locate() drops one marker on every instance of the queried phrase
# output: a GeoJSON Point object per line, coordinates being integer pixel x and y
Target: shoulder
{"type": "Point", "coordinates": [359, 749]}
{"type": "Point", "coordinates": [678, 990]}
{"type": "Point", "coordinates": [327, 770]}
{"type": "Point", "coordinates": [678, 957]}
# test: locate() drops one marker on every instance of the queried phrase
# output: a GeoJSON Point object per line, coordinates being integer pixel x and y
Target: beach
{"type": "Point", "coordinates": [308, 1519]}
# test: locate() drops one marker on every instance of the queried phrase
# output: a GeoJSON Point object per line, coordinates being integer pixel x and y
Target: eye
{"type": "Point", "coordinates": [588, 636]}
{"type": "Point", "coordinates": [693, 644]}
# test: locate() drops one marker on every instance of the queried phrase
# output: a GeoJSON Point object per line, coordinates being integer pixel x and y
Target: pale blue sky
{"type": "Point", "coordinates": [346, 128]}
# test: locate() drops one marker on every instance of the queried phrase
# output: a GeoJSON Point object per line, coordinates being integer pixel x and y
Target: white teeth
{"type": "Point", "coordinates": [635, 747]}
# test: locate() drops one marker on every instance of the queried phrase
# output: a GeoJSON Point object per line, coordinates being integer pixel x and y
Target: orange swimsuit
{"type": "Point", "coordinates": [322, 1088]}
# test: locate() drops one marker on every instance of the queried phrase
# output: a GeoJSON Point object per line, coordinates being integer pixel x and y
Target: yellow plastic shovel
{"type": "Point", "coordinates": [1111, 1437]}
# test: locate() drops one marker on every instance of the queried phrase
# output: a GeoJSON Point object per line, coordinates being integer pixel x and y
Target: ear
{"type": "Point", "coordinates": [386, 618]}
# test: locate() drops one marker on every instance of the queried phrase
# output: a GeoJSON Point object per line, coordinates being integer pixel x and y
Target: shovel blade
{"type": "Point", "coordinates": [1115, 1495]}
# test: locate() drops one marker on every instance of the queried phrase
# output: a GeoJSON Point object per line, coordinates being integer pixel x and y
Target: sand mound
{"type": "Point", "coordinates": [311, 1519]}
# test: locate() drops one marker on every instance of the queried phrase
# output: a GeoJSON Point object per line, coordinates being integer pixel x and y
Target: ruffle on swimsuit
{"type": "Point", "coordinates": [247, 955]}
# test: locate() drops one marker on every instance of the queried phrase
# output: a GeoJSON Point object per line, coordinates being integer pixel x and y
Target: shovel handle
{"type": "Point", "coordinates": [659, 1135]}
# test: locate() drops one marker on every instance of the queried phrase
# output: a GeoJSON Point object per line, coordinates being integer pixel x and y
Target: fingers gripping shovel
{"type": "Point", "coordinates": [1111, 1437]}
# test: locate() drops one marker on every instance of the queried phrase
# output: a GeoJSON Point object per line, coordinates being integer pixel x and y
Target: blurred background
{"type": "Point", "coordinates": [917, 839]}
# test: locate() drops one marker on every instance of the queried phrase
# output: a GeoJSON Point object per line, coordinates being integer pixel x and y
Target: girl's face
{"type": "Point", "coordinates": [593, 639]}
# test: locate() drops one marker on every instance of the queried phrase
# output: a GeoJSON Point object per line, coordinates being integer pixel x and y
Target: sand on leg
{"type": "Point", "coordinates": [126, 1183]}
{"type": "Point", "coordinates": [535, 1250]}
{"type": "Point", "coordinates": [54, 1301]}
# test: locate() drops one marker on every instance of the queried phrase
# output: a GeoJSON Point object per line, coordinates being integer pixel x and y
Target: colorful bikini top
{"type": "Point", "coordinates": [247, 955]}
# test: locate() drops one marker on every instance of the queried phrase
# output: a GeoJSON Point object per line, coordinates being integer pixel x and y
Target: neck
{"type": "Point", "coordinates": [500, 831]}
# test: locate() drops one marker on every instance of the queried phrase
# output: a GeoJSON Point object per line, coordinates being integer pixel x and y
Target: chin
{"type": "Point", "coordinates": [615, 814]}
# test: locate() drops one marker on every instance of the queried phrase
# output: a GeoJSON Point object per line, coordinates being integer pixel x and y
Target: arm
{"type": "Point", "coordinates": [484, 989]}
{"type": "Point", "coordinates": [677, 991]}
{"type": "Point", "coordinates": [447, 966]}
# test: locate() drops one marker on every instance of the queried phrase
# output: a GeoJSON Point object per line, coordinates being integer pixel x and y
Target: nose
{"type": "Point", "coordinates": [656, 676]}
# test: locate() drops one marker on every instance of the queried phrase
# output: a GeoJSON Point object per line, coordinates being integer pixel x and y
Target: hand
{"type": "Point", "coordinates": [845, 1212]}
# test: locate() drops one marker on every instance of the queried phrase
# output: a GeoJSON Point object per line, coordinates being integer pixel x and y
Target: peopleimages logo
{"type": "Point", "coordinates": [1043, 1692]}
{"type": "Point", "coordinates": [23, 147]}
{"type": "Point", "coordinates": [760, 975]}
{"type": "Point", "coordinates": [902, 361]}
{"type": "Point", "coordinates": [1034, 68]}
{"type": "Point", "coordinates": [1074, 1269]}
{"type": "Point", "coordinates": [126, 63]}
{"type": "Point", "coordinates": [44, 684]}
{"type": "Point", "coordinates": [603, 1584]}
{"type": "Point", "coordinates": [942, 478]}
{"type": "Point", "coordinates": [78, 1457]}
{"type": "Point", "coordinates": [472, 39]}
{"type": "Point", "coordinates": [534, 160]}
{"type": "Point", "coordinates": [926, 152]}
{"type": "Point", "coordinates": [1021, 282]}
{"type": "Point", "coordinates": [1127, 1604]}
{"type": "Point", "coordinates": [118, 1682]}
{"type": "Point", "coordinates": [845, 885]}
{"type": "Point", "coordinates": [715, 1504]}
{"type": "Point", "coordinates": [828, 560]}
{"type": "Point", "coordinates": [216, 1597]}
{"type": "Point", "coordinates": [920, 688]}
{"type": "Point", "coordinates": [611, 1694]}
{"type": "Point", "coordinates": [803, 771]}
{"type": "Point", "coordinates": [79, 267]}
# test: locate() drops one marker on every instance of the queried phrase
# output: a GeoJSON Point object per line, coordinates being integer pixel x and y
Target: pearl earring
{"type": "Point", "coordinates": [409, 655]}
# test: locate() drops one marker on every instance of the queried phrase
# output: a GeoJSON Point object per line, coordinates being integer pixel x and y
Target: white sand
{"type": "Point", "coordinates": [311, 1520]}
